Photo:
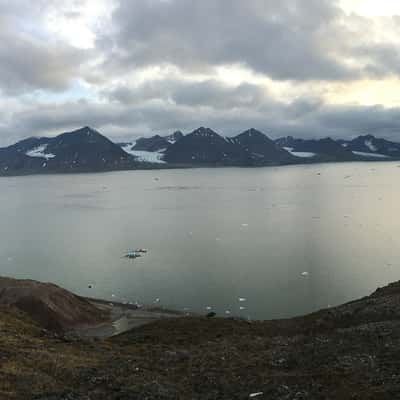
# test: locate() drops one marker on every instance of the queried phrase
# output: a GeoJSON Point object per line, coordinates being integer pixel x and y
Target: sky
{"type": "Point", "coordinates": [131, 68]}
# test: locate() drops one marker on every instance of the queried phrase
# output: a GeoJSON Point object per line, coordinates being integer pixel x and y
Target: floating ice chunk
{"type": "Point", "coordinates": [305, 273]}
{"type": "Point", "coordinates": [157, 300]}
{"type": "Point", "coordinates": [227, 312]}
{"type": "Point", "coordinates": [242, 299]}
{"type": "Point", "coordinates": [208, 308]}
{"type": "Point", "coordinates": [242, 308]}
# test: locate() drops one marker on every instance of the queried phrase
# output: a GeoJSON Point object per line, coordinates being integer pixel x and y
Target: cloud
{"type": "Point", "coordinates": [30, 58]}
{"type": "Point", "coordinates": [140, 67]}
{"type": "Point", "coordinates": [209, 93]}
{"type": "Point", "coordinates": [309, 118]}
{"type": "Point", "coordinates": [285, 40]}
{"type": "Point", "coordinates": [31, 64]}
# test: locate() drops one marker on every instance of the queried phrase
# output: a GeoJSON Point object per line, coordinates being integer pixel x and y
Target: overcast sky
{"type": "Point", "coordinates": [129, 68]}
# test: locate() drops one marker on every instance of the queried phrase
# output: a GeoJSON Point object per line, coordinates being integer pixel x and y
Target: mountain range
{"type": "Point", "coordinates": [86, 150]}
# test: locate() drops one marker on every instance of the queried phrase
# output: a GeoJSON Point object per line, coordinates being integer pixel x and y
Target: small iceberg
{"type": "Point", "coordinates": [135, 253]}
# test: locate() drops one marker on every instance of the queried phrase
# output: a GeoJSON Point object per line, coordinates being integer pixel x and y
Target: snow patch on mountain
{"type": "Point", "coordinates": [39, 152]}
{"type": "Point", "coordinates": [362, 153]}
{"type": "Point", "coordinates": [370, 145]}
{"type": "Point", "coordinates": [301, 154]}
{"type": "Point", "coordinates": [154, 157]}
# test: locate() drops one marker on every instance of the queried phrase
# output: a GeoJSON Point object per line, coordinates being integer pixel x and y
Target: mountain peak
{"type": "Point", "coordinates": [87, 130]}
{"type": "Point", "coordinates": [205, 132]}
{"type": "Point", "coordinates": [254, 136]}
{"type": "Point", "coordinates": [253, 132]}
{"type": "Point", "coordinates": [177, 135]}
{"type": "Point", "coordinates": [367, 137]}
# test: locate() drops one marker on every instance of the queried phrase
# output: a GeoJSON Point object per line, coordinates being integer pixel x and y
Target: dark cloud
{"type": "Point", "coordinates": [210, 93]}
{"type": "Point", "coordinates": [286, 39]}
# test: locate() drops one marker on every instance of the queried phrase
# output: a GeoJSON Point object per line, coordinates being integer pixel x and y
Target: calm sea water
{"type": "Point", "coordinates": [213, 235]}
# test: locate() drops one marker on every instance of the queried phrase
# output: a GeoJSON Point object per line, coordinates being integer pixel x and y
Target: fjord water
{"type": "Point", "coordinates": [213, 235]}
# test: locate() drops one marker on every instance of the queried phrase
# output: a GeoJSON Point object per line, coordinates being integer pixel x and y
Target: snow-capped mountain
{"type": "Point", "coordinates": [259, 148]}
{"type": "Point", "coordinates": [206, 147]}
{"type": "Point", "coordinates": [370, 146]}
{"type": "Point", "coordinates": [82, 150]}
{"type": "Point", "coordinates": [318, 149]}
{"type": "Point", "coordinates": [86, 150]}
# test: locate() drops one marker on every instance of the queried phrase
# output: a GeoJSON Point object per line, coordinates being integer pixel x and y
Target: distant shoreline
{"type": "Point", "coordinates": [170, 167]}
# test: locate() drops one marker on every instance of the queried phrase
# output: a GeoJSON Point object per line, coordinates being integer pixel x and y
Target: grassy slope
{"type": "Point", "coordinates": [352, 352]}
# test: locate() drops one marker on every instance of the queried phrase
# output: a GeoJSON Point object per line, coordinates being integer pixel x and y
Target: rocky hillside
{"type": "Point", "coordinates": [347, 352]}
{"type": "Point", "coordinates": [369, 145]}
{"type": "Point", "coordinates": [49, 305]}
